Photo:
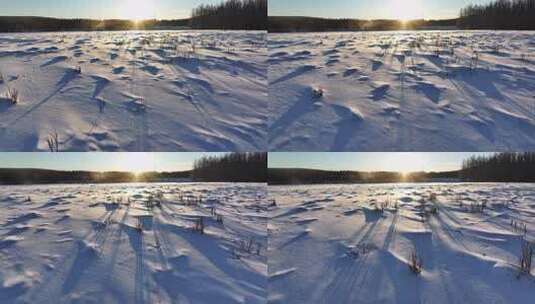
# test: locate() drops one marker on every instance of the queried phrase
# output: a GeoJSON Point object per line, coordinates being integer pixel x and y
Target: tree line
{"type": "Point", "coordinates": [231, 15]}
{"type": "Point", "coordinates": [499, 14]}
{"type": "Point", "coordinates": [281, 176]}
{"type": "Point", "coordinates": [36, 24]}
{"type": "Point", "coordinates": [313, 24]}
{"type": "Point", "coordinates": [42, 176]}
{"type": "Point", "coordinates": [500, 167]}
{"type": "Point", "coordinates": [233, 167]}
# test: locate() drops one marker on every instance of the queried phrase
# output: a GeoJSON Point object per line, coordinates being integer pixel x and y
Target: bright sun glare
{"type": "Point", "coordinates": [136, 162]}
{"type": "Point", "coordinates": [405, 162]}
{"type": "Point", "coordinates": [137, 9]}
{"type": "Point", "coordinates": [405, 10]}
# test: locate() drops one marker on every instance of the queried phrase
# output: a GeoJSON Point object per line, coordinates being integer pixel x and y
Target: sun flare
{"type": "Point", "coordinates": [406, 10]}
{"type": "Point", "coordinates": [406, 162]}
{"type": "Point", "coordinates": [137, 9]}
{"type": "Point", "coordinates": [136, 162]}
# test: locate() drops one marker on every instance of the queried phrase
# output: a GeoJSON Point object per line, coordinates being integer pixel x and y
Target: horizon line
{"type": "Point", "coordinates": [361, 19]}
{"type": "Point", "coordinates": [364, 171]}
{"type": "Point", "coordinates": [89, 18]}
{"type": "Point", "coordinates": [91, 171]}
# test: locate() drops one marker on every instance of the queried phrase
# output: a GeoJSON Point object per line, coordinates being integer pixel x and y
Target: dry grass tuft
{"type": "Point", "coordinates": [53, 142]}
{"type": "Point", "coordinates": [13, 95]}
{"type": "Point", "coordinates": [415, 262]}
{"type": "Point", "coordinates": [526, 257]}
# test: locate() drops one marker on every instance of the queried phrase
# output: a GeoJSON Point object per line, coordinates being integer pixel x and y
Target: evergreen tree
{"type": "Point", "coordinates": [500, 14]}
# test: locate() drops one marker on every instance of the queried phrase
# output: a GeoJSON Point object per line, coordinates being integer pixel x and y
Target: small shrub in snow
{"type": "Point", "coordinates": [199, 225]}
{"type": "Point", "coordinates": [378, 209]}
{"type": "Point", "coordinates": [477, 208]}
{"type": "Point", "coordinates": [12, 95]}
{"type": "Point", "coordinates": [148, 204]}
{"type": "Point", "coordinates": [108, 221]}
{"type": "Point", "coordinates": [415, 262]}
{"type": "Point", "coordinates": [317, 92]}
{"type": "Point", "coordinates": [526, 257]}
{"type": "Point", "coordinates": [474, 60]}
{"type": "Point", "coordinates": [519, 227]}
{"type": "Point", "coordinates": [139, 226]}
{"type": "Point", "coordinates": [53, 142]}
{"type": "Point", "coordinates": [193, 47]}
{"type": "Point", "coordinates": [361, 250]}
{"type": "Point", "coordinates": [433, 210]}
{"type": "Point", "coordinates": [236, 254]}
{"type": "Point", "coordinates": [250, 246]}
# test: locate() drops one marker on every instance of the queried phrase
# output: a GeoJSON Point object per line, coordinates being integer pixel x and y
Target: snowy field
{"type": "Point", "coordinates": [133, 243]}
{"type": "Point", "coordinates": [402, 91]}
{"type": "Point", "coordinates": [134, 91]}
{"type": "Point", "coordinates": [333, 244]}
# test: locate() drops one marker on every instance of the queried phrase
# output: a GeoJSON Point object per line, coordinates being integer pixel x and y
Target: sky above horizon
{"type": "Point", "coordinates": [378, 161]}
{"type": "Point", "coordinates": [371, 9]}
{"type": "Point", "coordinates": [102, 9]}
{"type": "Point", "coordinates": [113, 161]}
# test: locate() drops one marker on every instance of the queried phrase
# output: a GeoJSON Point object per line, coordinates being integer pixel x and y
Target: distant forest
{"type": "Point", "coordinates": [231, 15]}
{"type": "Point", "coordinates": [41, 176]}
{"type": "Point", "coordinates": [38, 24]}
{"type": "Point", "coordinates": [500, 14]}
{"type": "Point", "coordinates": [502, 167]}
{"type": "Point", "coordinates": [312, 24]}
{"type": "Point", "coordinates": [234, 167]}
{"type": "Point", "coordinates": [308, 176]}
{"type": "Point", "coordinates": [228, 15]}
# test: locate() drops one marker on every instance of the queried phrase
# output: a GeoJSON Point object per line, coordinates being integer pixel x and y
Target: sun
{"type": "Point", "coordinates": [136, 162]}
{"type": "Point", "coordinates": [406, 10]}
{"type": "Point", "coordinates": [405, 162]}
{"type": "Point", "coordinates": [137, 10]}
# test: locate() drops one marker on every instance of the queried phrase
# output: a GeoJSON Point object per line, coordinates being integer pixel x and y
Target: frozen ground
{"type": "Point", "coordinates": [84, 244]}
{"type": "Point", "coordinates": [402, 91]}
{"type": "Point", "coordinates": [329, 244]}
{"type": "Point", "coordinates": [137, 91]}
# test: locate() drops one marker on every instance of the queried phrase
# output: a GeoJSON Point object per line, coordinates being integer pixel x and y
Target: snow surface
{"type": "Point", "coordinates": [402, 91]}
{"type": "Point", "coordinates": [81, 244]}
{"type": "Point", "coordinates": [328, 244]}
{"type": "Point", "coordinates": [137, 91]}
